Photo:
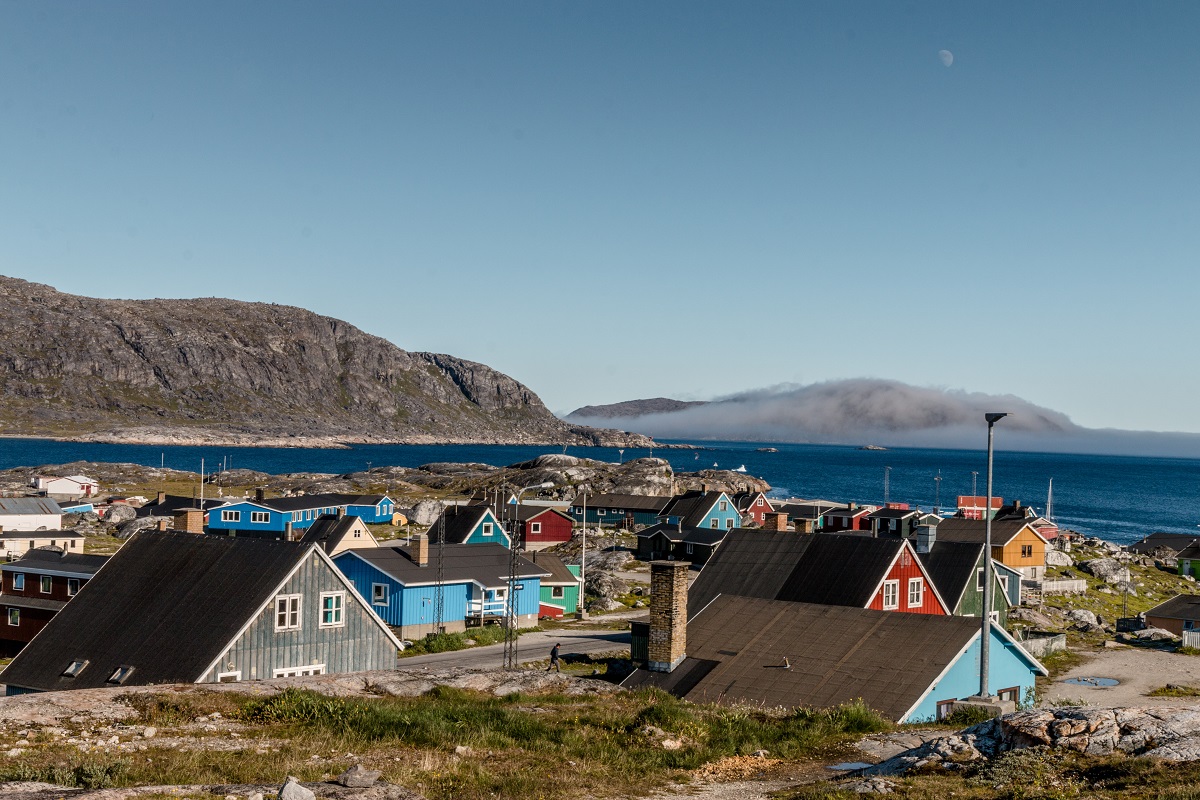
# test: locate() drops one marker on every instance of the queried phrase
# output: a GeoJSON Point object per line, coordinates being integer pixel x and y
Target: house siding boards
{"type": "Point", "coordinates": [29, 514]}
{"type": "Point", "coordinates": [554, 527]}
{"type": "Point", "coordinates": [410, 610]}
{"type": "Point", "coordinates": [714, 510]}
{"type": "Point", "coordinates": [1008, 666]}
{"type": "Point", "coordinates": [906, 568]}
{"type": "Point", "coordinates": [360, 644]}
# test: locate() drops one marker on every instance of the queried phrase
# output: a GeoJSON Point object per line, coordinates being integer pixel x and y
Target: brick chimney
{"type": "Point", "coordinates": [776, 521]}
{"type": "Point", "coordinates": [420, 550]}
{"type": "Point", "coordinates": [668, 614]}
{"type": "Point", "coordinates": [162, 524]}
{"type": "Point", "coordinates": [189, 520]}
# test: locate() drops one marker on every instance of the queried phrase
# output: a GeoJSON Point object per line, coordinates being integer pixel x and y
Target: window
{"type": "Point", "coordinates": [599, 512]}
{"type": "Point", "coordinates": [287, 612]}
{"type": "Point", "coordinates": [558, 592]}
{"type": "Point", "coordinates": [499, 594]}
{"type": "Point", "coordinates": [72, 587]}
{"type": "Point", "coordinates": [297, 516]}
{"type": "Point", "coordinates": [576, 510]}
{"type": "Point", "coordinates": [891, 595]}
{"type": "Point", "coordinates": [260, 516]}
{"type": "Point", "coordinates": [229, 677]}
{"type": "Point", "coordinates": [535, 527]}
{"type": "Point", "coordinates": [358, 534]}
{"type": "Point", "coordinates": [1012, 694]}
{"type": "Point", "coordinates": [979, 580]}
{"type": "Point", "coordinates": [688, 548]}
{"type": "Point", "coordinates": [74, 668]}
{"type": "Point", "coordinates": [1004, 584]}
{"type": "Point", "coordinates": [1026, 551]}
{"type": "Point", "coordinates": [120, 674]}
{"type": "Point", "coordinates": [995, 615]}
{"type": "Point", "coordinates": [758, 502]}
{"type": "Point", "coordinates": [231, 516]}
{"type": "Point", "coordinates": [487, 529]}
{"type": "Point", "coordinates": [724, 506]}
{"type": "Point", "coordinates": [47, 584]}
{"type": "Point", "coordinates": [19, 582]}
{"type": "Point", "coordinates": [296, 672]}
{"type": "Point", "coordinates": [716, 523]}
{"type": "Point", "coordinates": [379, 594]}
{"type": "Point", "coordinates": [73, 543]}
{"type": "Point", "coordinates": [916, 592]}
{"type": "Point", "coordinates": [332, 606]}
{"type": "Point", "coordinates": [14, 617]}
{"type": "Point", "coordinates": [728, 524]}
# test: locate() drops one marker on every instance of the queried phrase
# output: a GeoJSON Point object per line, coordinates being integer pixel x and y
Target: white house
{"type": "Point", "coordinates": [70, 486]}
{"type": "Point", "coordinates": [14, 544]}
{"type": "Point", "coordinates": [29, 514]}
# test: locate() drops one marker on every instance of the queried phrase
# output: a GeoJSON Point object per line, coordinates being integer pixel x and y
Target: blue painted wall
{"type": "Point", "coordinates": [277, 520]}
{"type": "Point", "coordinates": [498, 535]}
{"type": "Point", "coordinates": [373, 514]}
{"type": "Point", "coordinates": [725, 520]}
{"type": "Point", "coordinates": [1007, 669]}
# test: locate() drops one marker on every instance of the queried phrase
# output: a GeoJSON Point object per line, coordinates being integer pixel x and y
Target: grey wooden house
{"type": "Point", "coordinates": [181, 608]}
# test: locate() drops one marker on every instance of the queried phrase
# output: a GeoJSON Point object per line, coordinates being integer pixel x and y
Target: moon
{"type": "Point", "coordinates": [946, 56]}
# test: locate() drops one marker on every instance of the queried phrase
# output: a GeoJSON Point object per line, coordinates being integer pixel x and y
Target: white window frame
{"type": "Point", "coordinates": [260, 517]}
{"type": "Point", "coordinates": [231, 516]}
{"type": "Point", "coordinates": [687, 548]}
{"type": "Point", "coordinates": [535, 527]}
{"type": "Point", "coordinates": [298, 672]}
{"type": "Point", "coordinates": [291, 607]}
{"type": "Point", "coordinates": [599, 512]}
{"type": "Point", "coordinates": [919, 585]}
{"type": "Point", "coordinates": [995, 615]}
{"type": "Point", "coordinates": [487, 529]}
{"type": "Point", "coordinates": [729, 524]}
{"type": "Point", "coordinates": [723, 506]}
{"type": "Point", "coordinates": [376, 594]}
{"type": "Point", "coordinates": [14, 617]}
{"type": "Point", "coordinates": [979, 579]}
{"type": "Point", "coordinates": [715, 524]}
{"type": "Point", "coordinates": [892, 588]}
{"type": "Point", "coordinates": [499, 594]}
{"type": "Point", "coordinates": [18, 581]}
{"type": "Point", "coordinates": [758, 502]}
{"type": "Point", "coordinates": [46, 584]}
{"type": "Point", "coordinates": [1004, 584]}
{"type": "Point", "coordinates": [236, 675]}
{"type": "Point", "coordinates": [558, 592]}
{"type": "Point", "coordinates": [76, 583]}
{"type": "Point", "coordinates": [339, 610]}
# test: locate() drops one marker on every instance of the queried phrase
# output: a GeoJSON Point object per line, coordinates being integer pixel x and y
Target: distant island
{"type": "Point", "coordinates": [633, 408]}
{"type": "Point", "coordinates": [871, 447]}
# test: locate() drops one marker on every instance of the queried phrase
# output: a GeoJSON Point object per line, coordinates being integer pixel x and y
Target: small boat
{"type": "Point", "coordinates": [742, 468]}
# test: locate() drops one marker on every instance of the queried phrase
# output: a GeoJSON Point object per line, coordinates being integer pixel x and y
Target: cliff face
{"type": "Point", "coordinates": [224, 370]}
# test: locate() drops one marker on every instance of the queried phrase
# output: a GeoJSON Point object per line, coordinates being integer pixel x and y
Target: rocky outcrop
{"type": "Point", "coordinates": [632, 408]}
{"type": "Point", "coordinates": [1172, 734]}
{"type": "Point", "coordinates": [211, 370]}
{"type": "Point", "coordinates": [1108, 570]}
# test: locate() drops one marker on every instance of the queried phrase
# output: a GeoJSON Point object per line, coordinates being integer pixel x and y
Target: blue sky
{"type": "Point", "coordinates": [626, 199]}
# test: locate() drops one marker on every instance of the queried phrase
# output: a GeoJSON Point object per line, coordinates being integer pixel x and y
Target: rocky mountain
{"type": "Point", "coordinates": [633, 408]}
{"type": "Point", "coordinates": [211, 370]}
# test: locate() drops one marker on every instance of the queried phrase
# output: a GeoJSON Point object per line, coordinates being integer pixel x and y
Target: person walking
{"type": "Point", "coordinates": [554, 665]}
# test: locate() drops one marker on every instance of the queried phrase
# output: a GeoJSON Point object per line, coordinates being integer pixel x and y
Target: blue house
{"type": "Point", "coordinates": [278, 517]}
{"type": "Point", "coordinates": [618, 509]}
{"type": "Point", "coordinates": [469, 525]}
{"type": "Point", "coordinates": [908, 667]}
{"type": "Point", "coordinates": [400, 583]}
{"type": "Point", "coordinates": [702, 510]}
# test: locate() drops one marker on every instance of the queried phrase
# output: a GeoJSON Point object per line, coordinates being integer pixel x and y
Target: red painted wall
{"type": "Point", "coordinates": [33, 586]}
{"type": "Point", "coordinates": [906, 567]}
{"type": "Point", "coordinates": [759, 513]}
{"type": "Point", "coordinates": [555, 528]}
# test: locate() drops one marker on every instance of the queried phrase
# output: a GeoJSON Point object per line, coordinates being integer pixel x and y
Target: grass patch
{"type": "Point", "coordinates": [179, 709]}
{"type": "Point", "coordinates": [1171, 690]}
{"type": "Point", "coordinates": [1188, 651]}
{"type": "Point", "coordinates": [1062, 662]}
{"type": "Point", "coordinates": [449, 642]}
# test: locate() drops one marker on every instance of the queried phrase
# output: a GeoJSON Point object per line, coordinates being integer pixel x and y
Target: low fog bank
{"type": "Point", "coordinates": [892, 414]}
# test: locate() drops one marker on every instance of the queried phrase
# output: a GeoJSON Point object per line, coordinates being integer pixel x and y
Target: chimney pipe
{"type": "Point", "coordinates": [1016, 503]}
{"type": "Point", "coordinates": [162, 524]}
{"type": "Point", "coordinates": [288, 534]}
{"type": "Point", "coordinates": [668, 615]}
{"type": "Point", "coordinates": [260, 495]}
{"type": "Point", "coordinates": [341, 511]}
{"type": "Point", "coordinates": [420, 552]}
{"type": "Point", "coordinates": [926, 538]}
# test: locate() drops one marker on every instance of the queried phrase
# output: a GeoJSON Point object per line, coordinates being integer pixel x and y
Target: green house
{"type": "Point", "coordinates": [956, 569]}
{"type": "Point", "coordinates": [1189, 560]}
{"type": "Point", "coordinates": [560, 592]}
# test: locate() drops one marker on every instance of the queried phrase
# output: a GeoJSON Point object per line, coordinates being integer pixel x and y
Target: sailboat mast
{"type": "Point", "coordinates": [1050, 501]}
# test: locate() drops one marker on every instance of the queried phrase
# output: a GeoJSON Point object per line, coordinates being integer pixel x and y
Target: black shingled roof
{"type": "Point", "coordinates": [485, 564]}
{"type": "Point", "coordinates": [166, 604]}
{"type": "Point", "coordinates": [55, 559]}
{"type": "Point", "coordinates": [690, 507]}
{"type": "Point", "coordinates": [956, 529]}
{"type": "Point", "coordinates": [840, 570]}
{"type": "Point", "coordinates": [753, 563]}
{"type": "Point", "coordinates": [328, 531]}
{"type": "Point", "coordinates": [459, 521]}
{"type": "Point", "coordinates": [1172, 541]}
{"type": "Point", "coordinates": [625, 502]}
{"type": "Point", "coordinates": [951, 567]}
{"type": "Point", "coordinates": [559, 574]}
{"type": "Point", "coordinates": [1184, 606]}
{"type": "Point", "coordinates": [174, 502]}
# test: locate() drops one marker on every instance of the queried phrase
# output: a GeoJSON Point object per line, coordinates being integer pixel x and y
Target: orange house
{"type": "Point", "coordinates": [1015, 543]}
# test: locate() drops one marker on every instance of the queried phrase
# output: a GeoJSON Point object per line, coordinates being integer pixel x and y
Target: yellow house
{"type": "Point", "coordinates": [339, 534]}
{"type": "Point", "coordinates": [1015, 543]}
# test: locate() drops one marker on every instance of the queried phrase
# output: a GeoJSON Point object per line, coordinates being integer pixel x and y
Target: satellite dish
{"type": "Point", "coordinates": [946, 56]}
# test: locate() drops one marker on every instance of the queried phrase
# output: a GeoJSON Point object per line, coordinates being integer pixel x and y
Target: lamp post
{"type": "Point", "coordinates": [510, 629]}
{"type": "Point", "coordinates": [581, 610]}
{"type": "Point", "coordinates": [985, 643]}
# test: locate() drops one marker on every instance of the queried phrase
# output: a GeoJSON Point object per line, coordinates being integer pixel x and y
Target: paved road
{"type": "Point", "coordinates": [530, 647]}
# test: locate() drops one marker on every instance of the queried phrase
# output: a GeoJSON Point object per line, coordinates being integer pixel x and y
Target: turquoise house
{"type": "Point", "coordinates": [702, 509]}
{"type": "Point", "coordinates": [469, 525]}
{"type": "Point", "coordinates": [618, 509]}
{"type": "Point", "coordinates": [400, 585]}
{"type": "Point", "coordinates": [560, 589]}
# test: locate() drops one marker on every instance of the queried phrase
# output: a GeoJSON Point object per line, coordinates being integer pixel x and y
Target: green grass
{"type": "Point", "coordinates": [1171, 690]}
{"type": "Point", "coordinates": [1188, 651]}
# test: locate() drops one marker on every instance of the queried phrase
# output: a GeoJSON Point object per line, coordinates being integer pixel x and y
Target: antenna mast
{"type": "Point", "coordinates": [510, 607]}
{"type": "Point", "coordinates": [1050, 502]}
{"type": "Point", "coordinates": [439, 589]}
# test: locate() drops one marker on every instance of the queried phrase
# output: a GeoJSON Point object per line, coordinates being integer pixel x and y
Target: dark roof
{"type": "Point", "coordinates": [951, 567]}
{"type": "Point", "coordinates": [892, 513]}
{"type": "Point", "coordinates": [485, 564]}
{"type": "Point", "coordinates": [40, 535]}
{"type": "Point", "coordinates": [459, 521]}
{"type": "Point", "coordinates": [1184, 606]}
{"type": "Point", "coordinates": [955, 529]}
{"type": "Point", "coordinates": [625, 502]}
{"type": "Point", "coordinates": [686, 533]}
{"type": "Point", "coordinates": [174, 502]}
{"type": "Point", "coordinates": [846, 511]}
{"type": "Point", "coordinates": [840, 570]}
{"type": "Point", "coordinates": [28, 505]}
{"type": "Point", "coordinates": [1191, 550]}
{"type": "Point", "coordinates": [808, 510]}
{"type": "Point", "coordinates": [754, 563]}
{"type": "Point", "coordinates": [1014, 512]}
{"type": "Point", "coordinates": [559, 574]}
{"type": "Point", "coordinates": [56, 559]}
{"type": "Point", "coordinates": [166, 604]}
{"type": "Point", "coordinates": [836, 654]}
{"type": "Point", "coordinates": [690, 507]}
{"type": "Point", "coordinates": [328, 530]}
{"type": "Point", "coordinates": [37, 603]}
{"type": "Point", "coordinates": [1171, 541]}
{"type": "Point", "coordinates": [743, 500]}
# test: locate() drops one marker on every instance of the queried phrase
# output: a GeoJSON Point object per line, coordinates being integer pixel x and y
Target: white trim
{"type": "Point", "coordinates": [920, 584]}
{"type": "Point", "coordinates": [894, 583]}
{"type": "Point", "coordinates": [907, 545]}
{"type": "Point", "coordinates": [945, 670]}
{"type": "Point", "coordinates": [236, 675]}
{"type": "Point", "coordinates": [387, 592]}
{"type": "Point", "coordinates": [254, 514]}
{"type": "Point", "coordinates": [298, 672]}
{"type": "Point", "coordinates": [340, 610]}
{"type": "Point", "coordinates": [416, 584]}
{"type": "Point", "coordinates": [289, 600]}
{"type": "Point", "coordinates": [231, 516]}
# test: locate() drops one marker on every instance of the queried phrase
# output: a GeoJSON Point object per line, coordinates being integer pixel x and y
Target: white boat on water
{"type": "Point", "coordinates": [742, 468]}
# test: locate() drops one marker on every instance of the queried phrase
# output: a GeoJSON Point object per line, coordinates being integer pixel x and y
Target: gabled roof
{"type": "Point", "coordinates": [846, 511]}
{"type": "Point", "coordinates": [328, 530]}
{"type": "Point", "coordinates": [738, 648]}
{"type": "Point", "coordinates": [459, 521]}
{"type": "Point", "coordinates": [686, 533]}
{"type": "Point", "coordinates": [952, 566]}
{"type": "Point", "coordinates": [893, 513]}
{"type": "Point", "coordinates": [33, 603]}
{"type": "Point", "coordinates": [168, 604]}
{"type": "Point", "coordinates": [483, 564]}
{"type": "Point", "coordinates": [1183, 606]}
{"type": "Point", "coordinates": [28, 505]}
{"type": "Point", "coordinates": [745, 500]}
{"type": "Point", "coordinates": [41, 558]}
{"type": "Point", "coordinates": [1173, 541]}
{"type": "Point", "coordinates": [625, 502]}
{"type": "Point", "coordinates": [754, 563]}
{"type": "Point", "coordinates": [526, 513]}
{"type": "Point", "coordinates": [691, 507]}
{"type": "Point", "coordinates": [842, 570]}
{"type": "Point", "coordinates": [1004, 531]}
{"type": "Point", "coordinates": [1191, 550]}
{"type": "Point", "coordinates": [559, 574]}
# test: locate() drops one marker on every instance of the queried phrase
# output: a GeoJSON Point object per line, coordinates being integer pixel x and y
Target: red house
{"type": "Point", "coordinates": [33, 589]}
{"type": "Point", "coordinates": [851, 518]}
{"type": "Point", "coordinates": [906, 586]}
{"type": "Point", "coordinates": [972, 506]}
{"type": "Point", "coordinates": [542, 527]}
{"type": "Point", "coordinates": [754, 505]}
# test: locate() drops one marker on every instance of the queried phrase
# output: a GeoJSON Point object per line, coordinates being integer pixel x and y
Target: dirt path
{"type": "Point", "coordinates": [1139, 671]}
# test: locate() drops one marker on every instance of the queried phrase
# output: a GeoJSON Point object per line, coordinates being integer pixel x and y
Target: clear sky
{"type": "Point", "coordinates": [611, 200]}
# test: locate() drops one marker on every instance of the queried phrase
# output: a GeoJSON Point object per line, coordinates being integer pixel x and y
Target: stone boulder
{"type": "Point", "coordinates": [127, 529]}
{"type": "Point", "coordinates": [1084, 616]}
{"type": "Point", "coordinates": [426, 512]}
{"type": "Point", "coordinates": [1156, 635]}
{"type": "Point", "coordinates": [117, 514]}
{"type": "Point", "coordinates": [1108, 570]}
{"type": "Point", "coordinates": [1057, 558]}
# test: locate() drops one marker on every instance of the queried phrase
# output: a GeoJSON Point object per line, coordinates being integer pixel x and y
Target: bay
{"type": "Point", "coordinates": [1120, 498]}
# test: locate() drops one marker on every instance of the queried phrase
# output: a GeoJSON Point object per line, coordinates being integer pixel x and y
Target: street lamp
{"type": "Point", "coordinates": [992, 418]}
{"type": "Point", "coordinates": [510, 630]}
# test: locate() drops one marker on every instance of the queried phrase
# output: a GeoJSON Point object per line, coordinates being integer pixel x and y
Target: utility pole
{"type": "Point", "coordinates": [887, 491]}
{"type": "Point", "coordinates": [514, 560]}
{"type": "Point", "coordinates": [439, 590]}
{"type": "Point", "coordinates": [937, 493]}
